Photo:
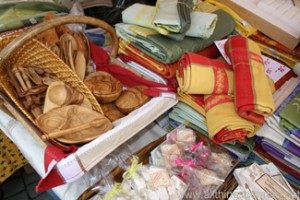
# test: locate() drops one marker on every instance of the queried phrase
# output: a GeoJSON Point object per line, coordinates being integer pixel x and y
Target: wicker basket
{"type": "Point", "coordinates": [24, 50]}
{"type": "Point", "coordinates": [143, 154]}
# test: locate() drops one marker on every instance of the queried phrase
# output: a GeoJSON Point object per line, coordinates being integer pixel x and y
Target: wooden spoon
{"type": "Point", "coordinates": [92, 124]}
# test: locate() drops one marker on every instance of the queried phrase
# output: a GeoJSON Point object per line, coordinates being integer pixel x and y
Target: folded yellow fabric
{"type": "Point", "coordinates": [224, 123]}
{"type": "Point", "coordinates": [200, 75]}
{"type": "Point", "coordinates": [195, 101]}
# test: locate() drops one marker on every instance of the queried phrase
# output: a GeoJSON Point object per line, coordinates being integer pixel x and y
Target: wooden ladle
{"type": "Point", "coordinates": [92, 124]}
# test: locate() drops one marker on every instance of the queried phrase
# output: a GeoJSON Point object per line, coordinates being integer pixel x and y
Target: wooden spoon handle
{"type": "Point", "coordinates": [94, 123]}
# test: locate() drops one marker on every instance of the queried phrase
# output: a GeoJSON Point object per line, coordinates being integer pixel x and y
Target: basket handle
{"type": "Point", "coordinates": [39, 28]}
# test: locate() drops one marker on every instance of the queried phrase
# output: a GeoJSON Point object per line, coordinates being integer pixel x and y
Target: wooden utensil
{"type": "Point", "coordinates": [92, 124]}
{"type": "Point", "coordinates": [73, 124]}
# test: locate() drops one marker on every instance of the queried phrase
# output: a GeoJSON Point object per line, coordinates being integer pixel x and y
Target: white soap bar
{"type": "Point", "coordinates": [139, 184]}
{"type": "Point", "coordinates": [152, 195]}
{"type": "Point", "coordinates": [162, 193]}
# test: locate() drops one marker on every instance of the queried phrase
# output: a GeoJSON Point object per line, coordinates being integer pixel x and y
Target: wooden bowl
{"type": "Point", "coordinates": [104, 86]}
{"type": "Point", "coordinates": [111, 111]}
{"type": "Point", "coordinates": [131, 99]}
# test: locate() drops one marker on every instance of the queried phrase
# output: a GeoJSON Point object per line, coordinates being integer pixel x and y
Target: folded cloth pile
{"type": "Point", "coordinates": [224, 123]}
{"type": "Point", "coordinates": [130, 53]}
{"type": "Point", "coordinates": [279, 139]}
{"type": "Point", "coordinates": [285, 90]}
{"type": "Point", "coordinates": [200, 75]}
{"type": "Point", "coordinates": [253, 95]}
{"type": "Point", "coordinates": [193, 100]}
{"type": "Point", "coordinates": [165, 50]}
{"type": "Point", "coordinates": [289, 112]}
{"type": "Point", "coordinates": [19, 14]}
{"type": "Point", "coordinates": [188, 23]}
{"type": "Point", "coordinates": [241, 90]}
{"type": "Point", "coordinates": [183, 113]}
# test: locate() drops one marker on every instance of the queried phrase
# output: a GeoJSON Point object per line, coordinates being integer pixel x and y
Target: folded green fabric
{"type": "Point", "coordinates": [185, 114]}
{"type": "Point", "coordinates": [290, 116]}
{"type": "Point", "coordinates": [166, 50]}
{"type": "Point", "coordinates": [21, 14]}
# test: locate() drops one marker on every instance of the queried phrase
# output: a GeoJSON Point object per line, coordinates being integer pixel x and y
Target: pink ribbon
{"type": "Point", "coordinates": [180, 162]}
{"type": "Point", "coordinates": [195, 146]}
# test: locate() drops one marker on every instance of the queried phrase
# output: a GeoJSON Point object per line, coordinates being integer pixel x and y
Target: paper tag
{"type": "Point", "coordinates": [272, 188]}
{"type": "Point", "coordinates": [275, 70]}
{"type": "Point", "coordinates": [220, 45]}
{"type": "Point", "coordinates": [160, 178]}
{"type": "Point", "coordinates": [273, 171]}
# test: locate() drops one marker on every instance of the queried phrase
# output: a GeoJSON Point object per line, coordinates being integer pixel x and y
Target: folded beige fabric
{"type": "Point", "coordinates": [202, 23]}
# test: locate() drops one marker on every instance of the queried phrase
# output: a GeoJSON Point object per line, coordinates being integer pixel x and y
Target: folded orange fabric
{"type": "Point", "coordinates": [253, 95]}
{"type": "Point", "coordinates": [201, 75]}
{"type": "Point", "coordinates": [224, 123]}
{"type": "Point", "coordinates": [167, 71]}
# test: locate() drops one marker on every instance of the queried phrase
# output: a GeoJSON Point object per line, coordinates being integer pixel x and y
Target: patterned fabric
{"type": "Point", "coordinates": [273, 148]}
{"type": "Point", "coordinates": [253, 94]}
{"type": "Point", "coordinates": [288, 128]}
{"type": "Point", "coordinates": [200, 75]}
{"type": "Point", "coordinates": [223, 122]}
{"type": "Point", "coordinates": [290, 117]}
{"type": "Point", "coordinates": [15, 15]}
{"type": "Point", "coordinates": [292, 55]}
{"type": "Point", "coordinates": [11, 159]}
{"type": "Point", "coordinates": [166, 50]}
{"type": "Point", "coordinates": [268, 133]}
{"type": "Point", "coordinates": [285, 166]}
{"type": "Point", "coordinates": [129, 52]}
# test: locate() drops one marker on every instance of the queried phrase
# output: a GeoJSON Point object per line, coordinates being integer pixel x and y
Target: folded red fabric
{"type": "Point", "coordinates": [253, 94]}
{"type": "Point", "coordinates": [131, 53]}
{"type": "Point", "coordinates": [127, 77]}
{"type": "Point", "coordinates": [52, 155]}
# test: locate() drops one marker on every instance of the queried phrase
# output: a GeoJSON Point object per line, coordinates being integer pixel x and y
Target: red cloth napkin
{"type": "Point", "coordinates": [52, 155]}
{"type": "Point", "coordinates": [127, 77]}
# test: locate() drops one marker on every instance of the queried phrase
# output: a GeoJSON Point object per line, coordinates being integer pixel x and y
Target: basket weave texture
{"type": "Point", "coordinates": [34, 53]}
{"type": "Point", "coordinates": [22, 50]}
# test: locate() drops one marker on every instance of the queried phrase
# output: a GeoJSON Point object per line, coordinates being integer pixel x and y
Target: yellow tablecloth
{"type": "Point", "coordinates": [11, 159]}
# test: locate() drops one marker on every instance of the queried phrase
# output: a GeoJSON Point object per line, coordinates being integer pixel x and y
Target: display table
{"type": "Point", "coordinates": [76, 166]}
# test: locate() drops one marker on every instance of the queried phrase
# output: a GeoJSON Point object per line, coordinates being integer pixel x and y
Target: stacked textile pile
{"type": "Point", "coordinates": [237, 97]}
{"type": "Point", "coordinates": [279, 140]}
{"type": "Point", "coordinates": [171, 45]}
{"type": "Point", "coordinates": [157, 39]}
